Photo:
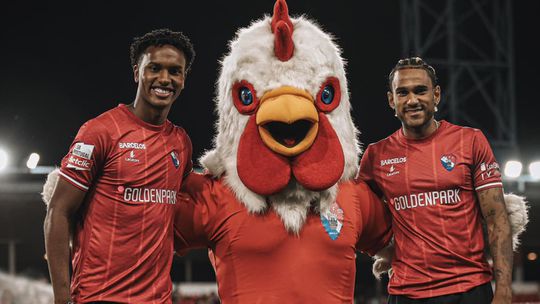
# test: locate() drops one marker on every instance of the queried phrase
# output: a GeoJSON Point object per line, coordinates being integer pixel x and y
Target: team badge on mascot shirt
{"type": "Point", "coordinates": [332, 221]}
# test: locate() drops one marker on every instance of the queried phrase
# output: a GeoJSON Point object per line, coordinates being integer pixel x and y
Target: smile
{"type": "Point", "coordinates": [163, 92]}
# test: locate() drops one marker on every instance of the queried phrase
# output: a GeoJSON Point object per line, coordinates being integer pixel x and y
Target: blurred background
{"type": "Point", "coordinates": [63, 65]}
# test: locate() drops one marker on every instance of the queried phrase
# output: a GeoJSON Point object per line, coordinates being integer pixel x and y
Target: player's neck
{"type": "Point", "coordinates": [149, 114]}
{"type": "Point", "coordinates": [422, 131]}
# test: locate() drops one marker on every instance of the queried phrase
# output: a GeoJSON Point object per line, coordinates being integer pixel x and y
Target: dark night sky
{"type": "Point", "coordinates": [62, 65]}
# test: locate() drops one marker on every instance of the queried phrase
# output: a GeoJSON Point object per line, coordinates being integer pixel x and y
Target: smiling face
{"type": "Point", "coordinates": [160, 75]}
{"type": "Point", "coordinates": [414, 99]}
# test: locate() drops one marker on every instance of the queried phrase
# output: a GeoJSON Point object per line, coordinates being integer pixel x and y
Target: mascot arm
{"type": "Point", "coordinates": [376, 229]}
{"type": "Point", "coordinates": [194, 214]}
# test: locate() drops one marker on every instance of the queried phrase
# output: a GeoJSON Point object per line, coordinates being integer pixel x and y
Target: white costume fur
{"type": "Point", "coordinates": [251, 58]}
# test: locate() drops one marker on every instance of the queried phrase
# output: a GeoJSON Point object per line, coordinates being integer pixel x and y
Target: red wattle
{"type": "Point", "coordinates": [260, 169]}
{"type": "Point", "coordinates": [321, 166]}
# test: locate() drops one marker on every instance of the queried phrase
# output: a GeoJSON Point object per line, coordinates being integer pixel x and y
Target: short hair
{"type": "Point", "coordinates": [412, 63]}
{"type": "Point", "coordinates": [162, 37]}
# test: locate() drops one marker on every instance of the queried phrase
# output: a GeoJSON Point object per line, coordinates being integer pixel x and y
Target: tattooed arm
{"type": "Point", "coordinates": [500, 241]}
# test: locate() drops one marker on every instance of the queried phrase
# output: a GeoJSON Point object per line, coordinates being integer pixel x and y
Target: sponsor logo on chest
{"type": "Point", "coordinates": [132, 157]}
{"type": "Point", "coordinates": [148, 195]}
{"type": "Point", "coordinates": [132, 145]}
{"type": "Point", "coordinates": [426, 199]}
{"type": "Point", "coordinates": [393, 170]}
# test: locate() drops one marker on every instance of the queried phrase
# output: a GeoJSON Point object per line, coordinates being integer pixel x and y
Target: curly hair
{"type": "Point", "coordinates": [412, 63]}
{"type": "Point", "coordinates": [162, 37]}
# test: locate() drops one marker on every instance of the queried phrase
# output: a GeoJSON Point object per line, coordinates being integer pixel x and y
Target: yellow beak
{"type": "Point", "coordinates": [287, 120]}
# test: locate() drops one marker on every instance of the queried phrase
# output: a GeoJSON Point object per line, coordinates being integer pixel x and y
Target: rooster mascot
{"type": "Point", "coordinates": [278, 206]}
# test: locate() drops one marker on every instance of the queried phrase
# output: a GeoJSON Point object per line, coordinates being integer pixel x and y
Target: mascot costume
{"type": "Point", "coordinates": [279, 207]}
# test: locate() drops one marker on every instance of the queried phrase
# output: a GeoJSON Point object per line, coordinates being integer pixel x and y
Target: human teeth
{"type": "Point", "coordinates": [161, 91]}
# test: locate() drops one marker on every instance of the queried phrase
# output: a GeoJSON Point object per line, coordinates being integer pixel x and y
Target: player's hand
{"type": "Point", "coordinates": [502, 297]}
{"type": "Point", "coordinates": [63, 300]}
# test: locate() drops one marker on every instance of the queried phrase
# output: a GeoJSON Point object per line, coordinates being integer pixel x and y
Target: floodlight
{"type": "Point", "coordinates": [3, 159]}
{"type": "Point", "coordinates": [534, 170]}
{"type": "Point", "coordinates": [513, 168]}
{"type": "Point", "coordinates": [32, 161]}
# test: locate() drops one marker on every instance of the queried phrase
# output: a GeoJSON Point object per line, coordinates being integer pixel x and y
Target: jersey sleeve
{"type": "Point", "coordinates": [86, 156]}
{"type": "Point", "coordinates": [366, 173]}
{"type": "Point", "coordinates": [187, 154]}
{"type": "Point", "coordinates": [194, 214]}
{"type": "Point", "coordinates": [376, 221]}
{"type": "Point", "coordinates": [485, 169]}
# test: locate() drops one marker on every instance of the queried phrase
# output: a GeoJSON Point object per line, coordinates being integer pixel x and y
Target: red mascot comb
{"type": "Point", "coordinates": [282, 28]}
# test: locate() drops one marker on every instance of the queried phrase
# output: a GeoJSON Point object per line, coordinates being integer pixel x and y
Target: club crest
{"type": "Point", "coordinates": [448, 161]}
{"type": "Point", "coordinates": [175, 160]}
{"type": "Point", "coordinates": [332, 221]}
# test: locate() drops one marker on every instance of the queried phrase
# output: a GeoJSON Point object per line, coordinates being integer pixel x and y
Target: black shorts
{"type": "Point", "coordinates": [478, 295]}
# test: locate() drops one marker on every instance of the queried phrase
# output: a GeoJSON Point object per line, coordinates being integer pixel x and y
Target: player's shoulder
{"type": "Point", "coordinates": [465, 130]}
{"type": "Point", "coordinates": [179, 130]}
{"type": "Point", "coordinates": [105, 119]}
{"type": "Point", "coordinates": [379, 144]}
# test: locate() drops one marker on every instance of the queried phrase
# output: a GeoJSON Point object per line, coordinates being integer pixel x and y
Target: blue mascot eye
{"type": "Point", "coordinates": [245, 96]}
{"type": "Point", "coordinates": [327, 95]}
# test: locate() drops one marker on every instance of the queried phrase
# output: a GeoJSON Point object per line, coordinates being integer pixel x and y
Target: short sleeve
{"type": "Point", "coordinates": [188, 154]}
{"type": "Point", "coordinates": [376, 221]}
{"type": "Point", "coordinates": [366, 173]}
{"type": "Point", "coordinates": [194, 214]}
{"type": "Point", "coordinates": [86, 155]}
{"type": "Point", "coordinates": [485, 168]}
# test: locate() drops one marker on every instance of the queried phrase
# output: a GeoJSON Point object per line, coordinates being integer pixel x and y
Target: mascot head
{"type": "Point", "coordinates": [285, 136]}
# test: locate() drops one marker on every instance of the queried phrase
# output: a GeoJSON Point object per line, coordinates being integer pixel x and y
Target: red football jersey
{"type": "Point", "coordinates": [430, 187]}
{"type": "Point", "coordinates": [257, 261]}
{"type": "Point", "coordinates": [123, 242]}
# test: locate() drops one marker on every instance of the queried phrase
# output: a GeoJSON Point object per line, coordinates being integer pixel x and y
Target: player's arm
{"type": "Point", "coordinates": [500, 241]}
{"type": "Point", "coordinates": [64, 203]}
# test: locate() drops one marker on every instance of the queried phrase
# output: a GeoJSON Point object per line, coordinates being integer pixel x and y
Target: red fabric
{"type": "Point", "coordinates": [265, 172]}
{"type": "Point", "coordinates": [123, 244]}
{"type": "Point", "coordinates": [321, 166]}
{"type": "Point", "coordinates": [258, 261]}
{"type": "Point", "coordinates": [282, 28]}
{"type": "Point", "coordinates": [281, 13]}
{"type": "Point", "coordinates": [283, 43]}
{"type": "Point", "coordinates": [262, 170]}
{"type": "Point", "coordinates": [436, 216]}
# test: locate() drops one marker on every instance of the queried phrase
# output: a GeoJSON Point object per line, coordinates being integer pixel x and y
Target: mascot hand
{"type": "Point", "coordinates": [517, 208]}
{"type": "Point", "coordinates": [49, 186]}
{"type": "Point", "coordinates": [383, 261]}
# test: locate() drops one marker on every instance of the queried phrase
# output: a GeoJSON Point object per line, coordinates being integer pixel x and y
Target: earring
{"type": "Point", "coordinates": [436, 109]}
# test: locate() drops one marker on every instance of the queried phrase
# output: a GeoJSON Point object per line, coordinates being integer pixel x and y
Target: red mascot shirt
{"type": "Point", "coordinates": [257, 261]}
